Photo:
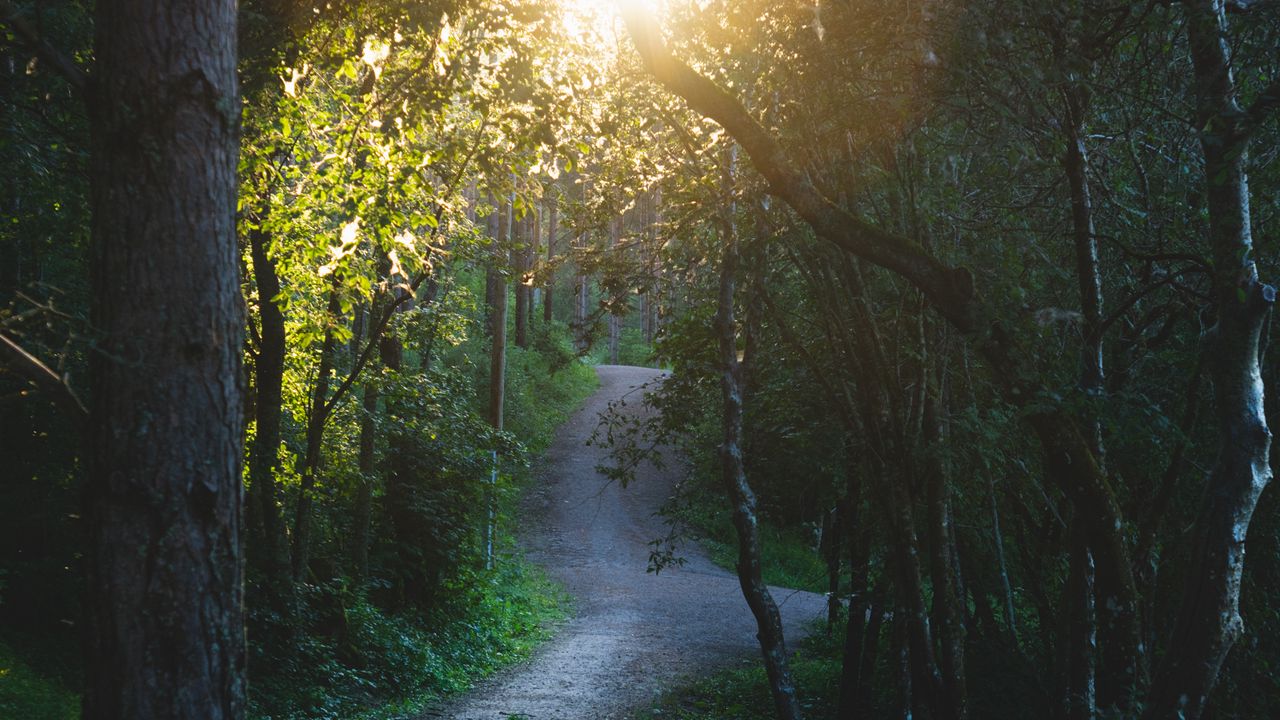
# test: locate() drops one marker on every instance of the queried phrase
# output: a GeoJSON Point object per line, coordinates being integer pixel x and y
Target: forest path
{"type": "Point", "coordinates": [633, 634]}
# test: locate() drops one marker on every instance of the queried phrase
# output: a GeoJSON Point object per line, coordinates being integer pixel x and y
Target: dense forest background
{"type": "Point", "coordinates": [965, 303]}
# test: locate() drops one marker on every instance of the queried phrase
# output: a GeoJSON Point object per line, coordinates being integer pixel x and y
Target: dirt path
{"type": "Point", "coordinates": [633, 634]}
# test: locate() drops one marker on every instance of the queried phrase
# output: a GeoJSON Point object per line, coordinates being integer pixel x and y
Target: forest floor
{"type": "Point", "coordinates": [633, 634]}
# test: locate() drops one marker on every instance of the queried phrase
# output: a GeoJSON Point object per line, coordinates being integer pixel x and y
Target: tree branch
{"type": "Point", "coordinates": [62, 63]}
{"type": "Point", "coordinates": [17, 360]}
{"type": "Point", "coordinates": [949, 289]}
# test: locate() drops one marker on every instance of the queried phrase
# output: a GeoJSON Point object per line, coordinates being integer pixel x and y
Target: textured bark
{"type": "Point", "coordinates": [164, 602]}
{"type": "Point", "coordinates": [1208, 621]}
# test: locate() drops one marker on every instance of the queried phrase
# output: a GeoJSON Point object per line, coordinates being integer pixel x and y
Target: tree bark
{"type": "Point", "coordinates": [1208, 621]}
{"type": "Point", "coordinates": [164, 604]}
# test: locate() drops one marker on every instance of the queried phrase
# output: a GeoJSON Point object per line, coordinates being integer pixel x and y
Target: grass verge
{"type": "Point", "coordinates": [742, 693]}
{"type": "Point", "coordinates": [788, 558]}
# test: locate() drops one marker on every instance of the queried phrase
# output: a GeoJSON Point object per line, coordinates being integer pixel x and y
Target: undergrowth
{"type": "Point", "coordinates": [31, 695]}
{"type": "Point", "coordinates": [358, 661]}
{"type": "Point", "coordinates": [787, 555]}
{"type": "Point", "coordinates": [742, 693]}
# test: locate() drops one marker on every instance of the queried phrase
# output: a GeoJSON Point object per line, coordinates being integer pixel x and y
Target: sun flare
{"type": "Point", "coordinates": [599, 21]}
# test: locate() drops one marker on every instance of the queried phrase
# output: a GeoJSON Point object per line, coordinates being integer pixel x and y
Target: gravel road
{"type": "Point", "coordinates": [633, 634]}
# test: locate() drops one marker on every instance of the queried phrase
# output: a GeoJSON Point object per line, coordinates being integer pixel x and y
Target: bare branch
{"type": "Point", "coordinates": [17, 360]}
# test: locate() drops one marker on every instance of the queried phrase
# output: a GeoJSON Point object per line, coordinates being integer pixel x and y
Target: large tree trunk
{"type": "Point", "coordinates": [164, 603]}
{"type": "Point", "coordinates": [1208, 621]}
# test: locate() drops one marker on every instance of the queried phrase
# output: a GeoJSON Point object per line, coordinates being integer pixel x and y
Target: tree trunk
{"type": "Point", "coordinates": [498, 329]}
{"type": "Point", "coordinates": [521, 241]}
{"type": "Point", "coordinates": [1079, 636]}
{"type": "Point", "coordinates": [1208, 621]}
{"type": "Point", "coordinates": [857, 638]}
{"type": "Point", "coordinates": [316, 416]}
{"type": "Point", "coordinates": [615, 322]}
{"type": "Point", "coordinates": [164, 603]}
{"type": "Point", "coordinates": [581, 295]}
{"type": "Point", "coordinates": [742, 500]}
{"type": "Point", "coordinates": [947, 599]}
{"type": "Point", "coordinates": [830, 551]}
{"type": "Point", "coordinates": [368, 473]}
{"type": "Point", "coordinates": [1084, 691]}
{"type": "Point", "coordinates": [268, 382]}
{"type": "Point", "coordinates": [552, 228]}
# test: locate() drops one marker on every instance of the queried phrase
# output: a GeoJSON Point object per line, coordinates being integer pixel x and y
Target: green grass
{"type": "Point", "coordinates": [742, 693]}
{"type": "Point", "coordinates": [485, 630]}
{"type": "Point", "coordinates": [788, 558]}
{"type": "Point", "coordinates": [26, 694]}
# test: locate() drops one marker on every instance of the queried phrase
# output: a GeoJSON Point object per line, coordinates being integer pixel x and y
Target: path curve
{"type": "Point", "coordinates": [633, 634]}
